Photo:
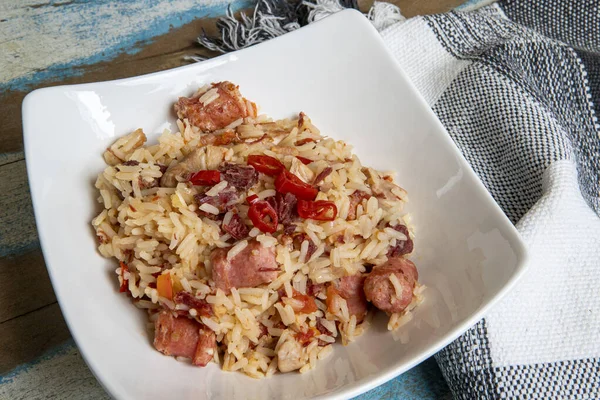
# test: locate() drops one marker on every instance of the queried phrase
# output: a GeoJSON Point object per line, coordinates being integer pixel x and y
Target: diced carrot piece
{"type": "Point", "coordinates": [164, 286]}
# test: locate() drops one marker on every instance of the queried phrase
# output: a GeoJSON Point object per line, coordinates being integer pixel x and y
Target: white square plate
{"type": "Point", "coordinates": [339, 72]}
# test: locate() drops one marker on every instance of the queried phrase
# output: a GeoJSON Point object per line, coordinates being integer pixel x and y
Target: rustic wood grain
{"type": "Point", "coordinates": [25, 338]}
{"type": "Point", "coordinates": [25, 285]}
{"type": "Point", "coordinates": [165, 52]}
{"type": "Point", "coordinates": [17, 231]}
{"type": "Point", "coordinates": [62, 374]}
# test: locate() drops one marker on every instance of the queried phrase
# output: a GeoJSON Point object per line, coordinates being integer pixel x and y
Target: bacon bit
{"type": "Point", "coordinates": [301, 237]}
{"type": "Point", "coordinates": [304, 141]}
{"type": "Point", "coordinates": [236, 227]}
{"type": "Point", "coordinates": [388, 178]}
{"type": "Point", "coordinates": [102, 237]}
{"type": "Point", "coordinates": [260, 139]}
{"type": "Point", "coordinates": [314, 289]}
{"type": "Point", "coordinates": [301, 117]}
{"type": "Point", "coordinates": [304, 337]}
{"type": "Point", "coordinates": [132, 208]}
{"type": "Point", "coordinates": [285, 206]}
{"type": "Point", "coordinates": [304, 160]}
{"type": "Point", "coordinates": [355, 199]}
{"type": "Point", "coordinates": [321, 328]}
{"type": "Point", "coordinates": [263, 330]}
{"type": "Point", "coordinates": [202, 307]}
{"type": "Point", "coordinates": [322, 175]}
{"type": "Point", "coordinates": [402, 247]}
{"type": "Point", "coordinates": [162, 168]}
{"type": "Point", "coordinates": [289, 229]}
{"type": "Point", "coordinates": [124, 282]}
{"type": "Point", "coordinates": [155, 198]}
{"type": "Point", "coordinates": [239, 176]}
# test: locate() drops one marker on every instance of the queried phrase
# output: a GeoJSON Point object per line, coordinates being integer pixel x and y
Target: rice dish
{"type": "Point", "coordinates": [250, 242]}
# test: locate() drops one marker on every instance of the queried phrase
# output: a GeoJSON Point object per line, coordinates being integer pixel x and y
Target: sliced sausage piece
{"type": "Point", "coordinates": [176, 336]}
{"type": "Point", "coordinates": [206, 347]}
{"type": "Point", "coordinates": [351, 289]}
{"type": "Point", "coordinates": [184, 337]}
{"type": "Point", "coordinates": [380, 291]}
{"type": "Point", "coordinates": [218, 113]}
{"type": "Point", "coordinates": [252, 266]}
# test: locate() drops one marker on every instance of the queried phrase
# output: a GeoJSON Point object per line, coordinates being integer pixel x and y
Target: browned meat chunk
{"type": "Point", "coordinates": [218, 113]}
{"type": "Point", "coordinates": [351, 289]}
{"type": "Point", "coordinates": [380, 291]}
{"type": "Point", "coordinates": [236, 227]}
{"type": "Point", "coordinates": [242, 177]}
{"type": "Point", "coordinates": [285, 206]}
{"type": "Point", "coordinates": [183, 337]}
{"type": "Point", "coordinates": [251, 267]}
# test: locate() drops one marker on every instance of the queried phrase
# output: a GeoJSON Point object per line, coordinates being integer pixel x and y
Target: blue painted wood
{"type": "Point", "coordinates": [48, 40]}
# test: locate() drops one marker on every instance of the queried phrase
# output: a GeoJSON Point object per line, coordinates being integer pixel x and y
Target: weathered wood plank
{"type": "Point", "coordinates": [165, 52]}
{"type": "Point", "coordinates": [39, 36]}
{"type": "Point", "coordinates": [17, 231]}
{"type": "Point", "coordinates": [25, 338]}
{"type": "Point", "coordinates": [25, 285]}
{"type": "Point", "coordinates": [411, 8]}
{"type": "Point", "coordinates": [59, 374]}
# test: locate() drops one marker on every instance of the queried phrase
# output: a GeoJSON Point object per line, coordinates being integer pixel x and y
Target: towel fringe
{"type": "Point", "coordinates": [272, 18]}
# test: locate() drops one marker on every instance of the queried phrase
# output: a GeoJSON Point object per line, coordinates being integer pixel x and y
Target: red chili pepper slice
{"type": "Point", "coordinates": [251, 199]}
{"type": "Point", "coordinates": [263, 216]}
{"type": "Point", "coordinates": [287, 182]}
{"type": "Point", "coordinates": [304, 160]}
{"type": "Point", "coordinates": [266, 164]}
{"type": "Point", "coordinates": [321, 210]}
{"type": "Point", "coordinates": [124, 282]}
{"type": "Point", "coordinates": [206, 178]}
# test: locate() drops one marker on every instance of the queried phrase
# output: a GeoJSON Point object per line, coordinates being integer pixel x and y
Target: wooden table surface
{"type": "Point", "coordinates": [45, 43]}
